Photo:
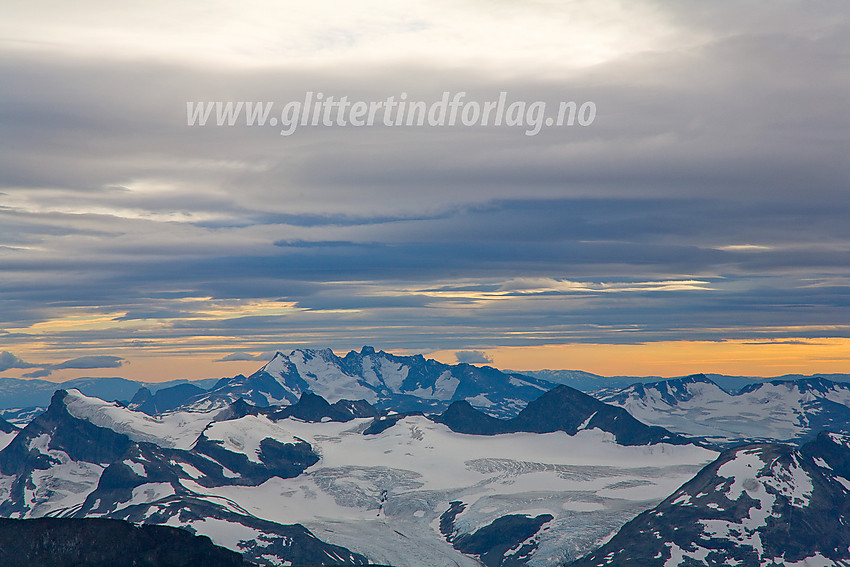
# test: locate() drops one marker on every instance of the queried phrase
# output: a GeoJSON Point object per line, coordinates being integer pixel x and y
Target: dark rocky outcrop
{"type": "Point", "coordinates": [96, 542]}
{"type": "Point", "coordinates": [507, 541]}
{"type": "Point", "coordinates": [560, 409]}
{"type": "Point", "coordinates": [163, 400]}
{"type": "Point", "coordinates": [312, 407]}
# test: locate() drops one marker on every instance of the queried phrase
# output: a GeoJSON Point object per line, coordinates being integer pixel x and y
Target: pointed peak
{"type": "Point", "coordinates": [59, 397]}
{"type": "Point", "coordinates": [142, 395]}
{"type": "Point", "coordinates": [238, 409]}
{"type": "Point", "coordinates": [63, 400]}
{"type": "Point", "coordinates": [460, 406]}
{"type": "Point", "coordinates": [563, 391]}
{"type": "Point", "coordinates": [278, 364]}
{"type": "Point", "coordinates": [326, 353]}
{"type": "Point", "coordinates": [240, 404]}
{"type": "Point", "coordinates": [461, 417]}
{"type": "Point", "coordinates": [308, 397]}
{"type": "Point", "coordinates": [72, 396]}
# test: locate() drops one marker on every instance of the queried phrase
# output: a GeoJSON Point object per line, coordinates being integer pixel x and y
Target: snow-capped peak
{"type": "Point", "coordinates": [244, 435]}
{"type": "Point", "coordinates": [384, 380]}
{"type": "Point", "coordinates": [278, 365]}
{"type": "Point", "coordinates": [176, 430]}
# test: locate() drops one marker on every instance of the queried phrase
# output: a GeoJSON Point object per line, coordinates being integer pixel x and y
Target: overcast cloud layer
{"type": "Point", "coordinates": [707, 201]}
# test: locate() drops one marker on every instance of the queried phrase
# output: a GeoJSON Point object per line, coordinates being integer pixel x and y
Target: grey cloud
{"type": "Point", "coordinates": [473, 357]}
{"type": "Point", "coordinates": [93, 361]}
{"type": "Point", "coordinates": [44, 372]}
{"type": "Point", "coordinates": [79, 363]}
{"type": "Point", "coordinates": [9, 361]}
{"type": "Point", "coordinates": [738, 141]}
{"type": "Point", "coordinates": [246, 356]}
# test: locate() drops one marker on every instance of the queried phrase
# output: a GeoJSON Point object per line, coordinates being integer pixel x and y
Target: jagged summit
{"type": "Point", "coordinates": [163, 400]}
{"type": "Point", "coordinates": [278, 364]}
{"type": "Point", "coordinates": [384, 380]}
{"type": "Point", "coordinates": [510, 472]}
{"type": "Point", "coordinates": [84, 457]}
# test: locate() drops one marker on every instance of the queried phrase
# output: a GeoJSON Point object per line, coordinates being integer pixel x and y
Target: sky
{"type": "Point", "coordinates": [698, 223]}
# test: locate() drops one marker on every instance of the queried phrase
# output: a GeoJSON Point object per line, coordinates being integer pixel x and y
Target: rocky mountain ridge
{"type": "Point", "coordinates": [762, 504]}
{"type": "Point", "coordinates": [780, 410]}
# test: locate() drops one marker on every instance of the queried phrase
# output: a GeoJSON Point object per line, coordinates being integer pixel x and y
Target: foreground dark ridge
{"type": "Point", "coordinates": [98, 542]}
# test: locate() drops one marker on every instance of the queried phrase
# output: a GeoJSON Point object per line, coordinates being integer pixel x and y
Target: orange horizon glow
{"type": "Point", "coordinates": [764, 358]}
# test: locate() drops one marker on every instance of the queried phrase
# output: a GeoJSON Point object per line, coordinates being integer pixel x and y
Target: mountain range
{"type": "Point", "coordinates": [387, 381]}
{"type": "Point", "coordinates": [780, 410]}
{"type": "Point", "coordinates": [369, 375]}
{"type": "Point", "coordinates": [373, 458]}
{"type": "Point", "coordinates": [86, 458]}
{"type": "Point", "coordinates": [269, 482]}
{"type": "Point", "coordinates": [22, 393]}
{"type": "Point", "coordinates": [594, 383]}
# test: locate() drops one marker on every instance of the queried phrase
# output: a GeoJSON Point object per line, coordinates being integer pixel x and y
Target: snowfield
{"type": "Point", "coordinates": [245, 434]}
{"type": "Point", "coordinates": [770, 411]}
{"type": "Point", "coordinates": [378, 495]}
{"type": "Point", "coordinates": [178, 430]}
{"type": "Point", "coordinates": [395, 485]}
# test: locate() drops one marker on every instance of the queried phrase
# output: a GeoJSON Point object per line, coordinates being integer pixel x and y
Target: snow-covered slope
{"type": "Point", "coordinates": [382, 495]}
{"type": "Point", "coordinates": [542, 488]}
{"type": "Point", "coordinates": [248, 477]}
{"type": "Point", "coordinates": [8, 431]}
{"type": "Point", "coordinates": [173, 430]}
{"type": "Point", "coordinates": [64, 464]}
{"type": "Point", "coordinates": [387, 381]}
{"type": "Point", "coordinates": [775, 411]}
{"type": "Point", "coordinates": [245, 435]}
{"type": "Point", "coordinates": [764, 504]}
